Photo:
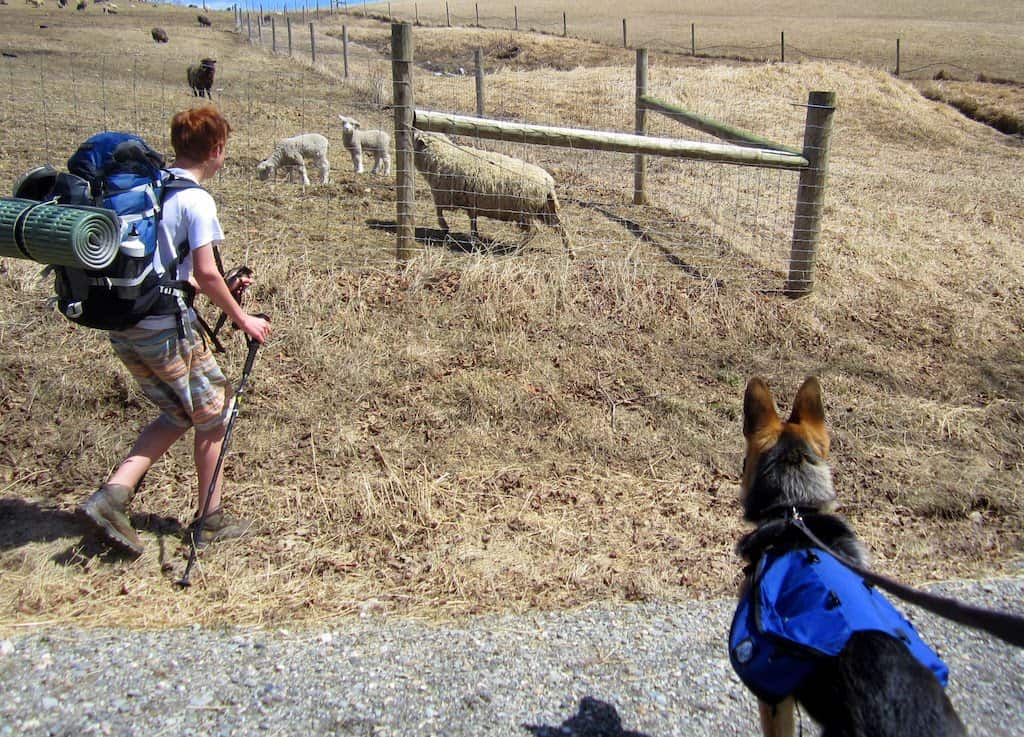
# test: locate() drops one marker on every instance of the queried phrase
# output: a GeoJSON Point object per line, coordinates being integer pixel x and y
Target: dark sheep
{"type": "Point", "coordinates": [81, 5]}
{"type": "Point", "coordinates": [159, 35]}
{"type": "Point", "coordinates": [204, 20]}
{"type": "Point", "coordinates": [200, 77]}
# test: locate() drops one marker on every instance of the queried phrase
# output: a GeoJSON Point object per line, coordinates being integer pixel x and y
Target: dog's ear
{"type": "Point", "coordinates": [758, 407]}
{"type": "Point", "coordinates": [808, 407]}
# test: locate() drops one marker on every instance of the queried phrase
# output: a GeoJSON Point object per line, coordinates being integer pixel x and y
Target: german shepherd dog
{"type": "Point", "coordinates": [875, 687]}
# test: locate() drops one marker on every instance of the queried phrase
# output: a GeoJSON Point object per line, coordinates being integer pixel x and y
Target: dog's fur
{"type": "Point", "coordinates": [874, 687]}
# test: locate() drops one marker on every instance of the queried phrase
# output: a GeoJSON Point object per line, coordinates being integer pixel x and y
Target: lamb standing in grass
{"type": "Point", "coordinates": [489, 184]}
{"type": "Point", "coordinates": [374, 142]}
{"type": "Point", "coordinates": [293, 152]}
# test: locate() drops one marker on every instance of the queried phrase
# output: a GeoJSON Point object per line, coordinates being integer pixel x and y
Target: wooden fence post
{"type": "Point", "coordinates": [477, 5]}
{"type": "Point", "coordinates": [312, 42]}
{"type": "Point", "coordinates": [404, 107]}
{"type": "Point", "coordinates": [565, 25]}
{"type": "Point", "coordinates": [640, 160]}
{"type": "Point", "coordinates": [344, 49]}
{"type": "Point", "coordinates": [478, 58]}
{"type": "Point", "coordinates": [782, 48]}
{"type": "Point", "coordinates": [273, 36]}
{"type": "Point", "coordinates": [289, 37]}
{"type": "Point", "coordinates": [447, 15]}
{"type": "Point", "coordinates": [810, 196]}
{"type": "Point", "coordinates": [693, 39]}
{"type": "Point", "coordinates": [625, 43]}
{"type": "Point", "coordinates": [897, 56]}
{"type": "Point", "coordinates": [515, 14]}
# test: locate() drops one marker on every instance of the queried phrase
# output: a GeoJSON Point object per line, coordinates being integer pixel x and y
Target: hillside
{"type": "Point", "coordinates": [487, 431]}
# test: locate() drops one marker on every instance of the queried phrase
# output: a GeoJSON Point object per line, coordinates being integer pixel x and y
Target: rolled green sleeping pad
{"type": "Point", "coordinates": [60, 235]}
{"type": "Point", "coordinates": [11, 210]}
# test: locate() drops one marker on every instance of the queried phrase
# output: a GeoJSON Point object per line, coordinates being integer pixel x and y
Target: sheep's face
{"type": "Point", "coordinates": [348, 125]}
{"type": "Point", "coordinates": [264, 169]}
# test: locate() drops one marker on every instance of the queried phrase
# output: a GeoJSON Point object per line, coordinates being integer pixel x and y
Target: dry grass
{"type": "Point", "coordinates": [476, 433]}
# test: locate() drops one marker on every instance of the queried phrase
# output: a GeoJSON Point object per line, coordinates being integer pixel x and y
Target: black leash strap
{"type": "Point", "coordinates": [250, 359]}
{"type": "Point", "coordinates": [1007, 627]}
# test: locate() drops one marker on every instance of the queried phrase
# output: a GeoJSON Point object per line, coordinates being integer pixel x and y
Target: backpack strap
{"type": "Point", "coordinates": [180, 289]}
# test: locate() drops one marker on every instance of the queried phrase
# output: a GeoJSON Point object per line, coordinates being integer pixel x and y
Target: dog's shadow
{"type": "Point", "coordinates": [455, 242]}
{"type": "Point", "coordinates": [594, 718]}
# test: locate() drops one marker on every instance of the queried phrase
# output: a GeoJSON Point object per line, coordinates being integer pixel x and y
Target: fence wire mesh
{"type": "Point", "coordinates": [712, 221]}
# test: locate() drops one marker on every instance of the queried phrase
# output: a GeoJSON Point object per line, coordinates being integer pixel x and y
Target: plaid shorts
{"type": "Point", "coordinates": [181, 377]}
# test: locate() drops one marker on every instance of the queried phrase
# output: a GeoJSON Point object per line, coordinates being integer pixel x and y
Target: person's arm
{"type": "Point", "coordinates": [209, 281]}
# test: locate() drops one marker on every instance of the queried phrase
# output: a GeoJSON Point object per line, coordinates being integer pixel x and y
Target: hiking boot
{"type": "Point", "coordinates": [218, 527]}
{"type": "Point", "coordinates": [106, 510]}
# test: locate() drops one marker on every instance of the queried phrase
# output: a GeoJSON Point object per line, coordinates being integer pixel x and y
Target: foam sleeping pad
{"type": "Point", "coordinates": [60, 235]}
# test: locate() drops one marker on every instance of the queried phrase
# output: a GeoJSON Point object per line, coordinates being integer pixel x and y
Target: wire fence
{"type": "Point", "coordinates": [713, 222]}
{"type": "Point", "coordinates": [878, 42]}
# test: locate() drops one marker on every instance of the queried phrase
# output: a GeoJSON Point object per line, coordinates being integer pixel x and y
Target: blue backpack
{"type": "Point", "coordinates": [122, 173]}
{"type": "Point", "coordinates": [802, 607]}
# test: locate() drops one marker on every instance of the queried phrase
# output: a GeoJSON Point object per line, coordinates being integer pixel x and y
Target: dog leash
{"type": "Point", "coordinates": [1007, 627]}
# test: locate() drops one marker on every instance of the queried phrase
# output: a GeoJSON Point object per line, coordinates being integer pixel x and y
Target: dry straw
{"type": "Point", "coordinates": [478, 431]}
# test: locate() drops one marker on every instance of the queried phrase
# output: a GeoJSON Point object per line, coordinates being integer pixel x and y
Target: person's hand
{"type": "Point", "coordinates": [256, 328]}
{"type": "Point", "coordinates": [238, 280]}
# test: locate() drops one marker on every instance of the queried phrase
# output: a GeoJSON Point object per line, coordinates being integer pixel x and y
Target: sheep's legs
{"type": "Point", "coordinates": [305, 174]}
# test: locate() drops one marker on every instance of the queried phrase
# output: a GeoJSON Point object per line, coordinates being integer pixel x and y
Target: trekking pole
{"type": "Point", "coordinates": [250, 359]}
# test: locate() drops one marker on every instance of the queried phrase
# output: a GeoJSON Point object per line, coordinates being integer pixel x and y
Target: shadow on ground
{"type": "Point", "coordinates": [595, 718]}
{"type": "Point", "coordinates": [27, 522]}
{"type": "Point", "coordinates": [455, 242]}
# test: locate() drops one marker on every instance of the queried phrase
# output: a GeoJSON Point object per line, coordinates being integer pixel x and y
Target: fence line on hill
{"type": "Point", "coordinates": [558, 23]}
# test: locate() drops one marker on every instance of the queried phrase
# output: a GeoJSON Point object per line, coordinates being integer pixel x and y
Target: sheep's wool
{"type": "Point", "coordinates": [501, 187]}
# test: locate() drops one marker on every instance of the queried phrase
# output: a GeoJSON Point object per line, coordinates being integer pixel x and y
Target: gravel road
{"type": "Point", "coordinates": [651, 669]}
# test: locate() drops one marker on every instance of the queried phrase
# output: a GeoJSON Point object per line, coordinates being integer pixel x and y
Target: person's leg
{"type": "Point", "coordinates": [208, 444]}
{"type": "Point", "coordinates": [106, 509]}
{"type": "Point", "coordinates": [153, 442]}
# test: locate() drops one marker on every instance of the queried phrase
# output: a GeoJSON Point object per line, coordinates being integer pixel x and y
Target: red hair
{"type": "Point", "coordinates": [196, 132]}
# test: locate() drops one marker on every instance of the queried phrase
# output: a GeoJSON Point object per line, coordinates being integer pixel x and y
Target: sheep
{"type": "Point", "coordinates": [159, 35]}
{"type": "Point", "coordinates": [293, 152]}
{"type": "Point", "coordinates": [204, 20]}
{"type": "Point", "coordinates": [374, 142]}
{"type": "Point", "coordinates": [489, 184]}
{"type": "Point", "coordinates": [200, 77]}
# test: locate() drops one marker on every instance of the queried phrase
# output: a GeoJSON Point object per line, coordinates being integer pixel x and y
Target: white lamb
{"type": "Point", "coordinates": [292, 153]}
{"type": "Point", "coordinates": [489, 184]}
{"type": "Point", "coordinates": [375, 142]}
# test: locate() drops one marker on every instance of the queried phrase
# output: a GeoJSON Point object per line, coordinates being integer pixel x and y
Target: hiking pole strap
{"type": "Point", "coordinates": [1003, 625]}
{"type": "Point", "coordinates": [218, 347]}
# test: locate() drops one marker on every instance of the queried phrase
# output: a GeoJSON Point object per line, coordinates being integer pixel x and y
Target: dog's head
{"type": "Point", "coordinates": [786, 464]}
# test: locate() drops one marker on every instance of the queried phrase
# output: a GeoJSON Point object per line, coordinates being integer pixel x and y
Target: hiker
{"type": "Point", "coordinates": [179, 373]}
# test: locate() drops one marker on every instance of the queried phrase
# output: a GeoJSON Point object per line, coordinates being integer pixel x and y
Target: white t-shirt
{"type": "Point", "coordinates": [188, 214]}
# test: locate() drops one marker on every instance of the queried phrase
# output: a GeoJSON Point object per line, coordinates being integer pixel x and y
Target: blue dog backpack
{"type": "Point", "coordinates": [803, 606]}
{"type": "Point", "coordinates": [122, 173]}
